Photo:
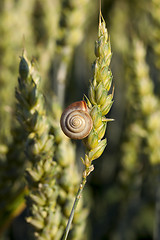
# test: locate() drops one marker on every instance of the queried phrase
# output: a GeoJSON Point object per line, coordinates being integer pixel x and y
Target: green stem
{"type": "Point", "coordinates": [78, 196]}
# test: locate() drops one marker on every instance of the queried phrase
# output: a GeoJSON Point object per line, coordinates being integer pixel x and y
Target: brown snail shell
{"type": "Point", "coordinates": [75, 121]}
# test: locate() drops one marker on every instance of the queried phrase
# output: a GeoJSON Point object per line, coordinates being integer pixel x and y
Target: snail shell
{"type": "Point", "coordinates": [75, 121]}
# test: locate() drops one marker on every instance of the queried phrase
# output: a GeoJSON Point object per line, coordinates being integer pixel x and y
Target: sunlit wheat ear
{"type": "Point", "coordinates": [40, 177]}
{"type": "Point", "coordinates": [98, 104]}
{"type": "Point", "coordinates": [73, 19]}
{"type": "Point", "coordinates": [149, 102]}
{"type": "Point", "coordinates": [99, 100]}
{"type": "Point", "coordinates": [142, 148]}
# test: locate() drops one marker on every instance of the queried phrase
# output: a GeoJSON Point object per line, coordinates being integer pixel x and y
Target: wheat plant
{"type": "Point", "coordinates": [39, 150]}
{"type": "Point", "coordinates": [99, 104]}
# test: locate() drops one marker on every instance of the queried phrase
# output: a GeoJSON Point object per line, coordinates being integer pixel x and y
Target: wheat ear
{"type": "Point", "coordinates": [71, 33]}
{"type": "Point", "coordinates": [41, 174]}
{"type": "Point", "coordinates": [99, 103]}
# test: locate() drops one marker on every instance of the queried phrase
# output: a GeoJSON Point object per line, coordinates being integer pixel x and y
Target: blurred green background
{"type": "Point", "coordinates": [123, 192]}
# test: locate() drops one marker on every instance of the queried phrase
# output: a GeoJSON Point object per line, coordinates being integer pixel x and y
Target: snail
{"type": "Point", "coordinates": [76, 123]}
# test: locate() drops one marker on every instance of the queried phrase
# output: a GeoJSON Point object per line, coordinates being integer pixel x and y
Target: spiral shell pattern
{"type": "Point", "coordinates": [76, 122]}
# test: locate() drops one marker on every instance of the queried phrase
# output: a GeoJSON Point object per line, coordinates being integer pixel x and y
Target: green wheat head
{"type": "Point", "coordinates": [100, 100]}
{"type": "Point", "coordinates": [39, 150]}
{"type": "Point", "coordinates": [99, 104]}
{"type": "Point", "coordinates": [149, 103]}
